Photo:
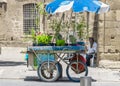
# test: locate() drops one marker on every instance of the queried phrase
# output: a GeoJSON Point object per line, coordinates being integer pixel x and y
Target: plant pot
{"type": "Point", "coordinates": [42, 44]}
{"type": "Point", "coordinates": [34, 44]}
{"type": "Point", "coordinates": [52, 44]}
{"type": "Point", "coordinates": [81, 43]}
{"type": "Point", "coordinates": [73, 44]}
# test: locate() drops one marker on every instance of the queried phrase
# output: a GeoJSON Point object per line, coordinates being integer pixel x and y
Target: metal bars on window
{"type": "Point", "coordinates": [30, 18]}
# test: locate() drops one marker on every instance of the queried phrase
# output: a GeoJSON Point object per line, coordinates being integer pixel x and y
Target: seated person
{"type": "Point", "coordinates": [91, 49]}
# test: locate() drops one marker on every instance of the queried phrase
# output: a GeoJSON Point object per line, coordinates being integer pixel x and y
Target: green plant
{"type": "Point", "coordinates": [58, 36]}
{"type": "Point", "coordinates": [60, 42]}
{"type": "Point", "coordinates": [72, 39]}
{"type": "Point", "coordinates": [40, 8]}
{"type": "Point", "coordinates": [33, 34]}
{"type": "Point", "coordinates": [56, 25]}
{"type": "Point", "coordinates": [80, 28]}
{"type": "Point", "coordinates": [43, 39]}
{"type": "Point", "coordinates": [40, 38]}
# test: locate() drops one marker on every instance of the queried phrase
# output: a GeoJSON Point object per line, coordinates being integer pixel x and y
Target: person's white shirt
{"type": "Point", "coordinates": [92, 49]}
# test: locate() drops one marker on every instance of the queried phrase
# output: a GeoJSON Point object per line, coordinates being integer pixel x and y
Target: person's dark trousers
{"type": "Point", "coordinates": [88, 57]}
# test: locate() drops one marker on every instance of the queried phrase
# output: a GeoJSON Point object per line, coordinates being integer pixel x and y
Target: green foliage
{"type": "Point", "coordinates": [72, 39]}
{"type": "Point", "coordinates": [81, 27]}
{"type": "Point", "coordinates": [37, 21]}
{"type": "Point", "coordinates": [56, 25]}
{"type": "Point", "coordinates": [39, 38]}
{"type": "Point", "coordinates": [58, 36]}
{"type": "Point", "coordinates": [33, 34]}
{"type": "Point", "coordinates": [43, 39]}
{"type": "Point", "coordinates": [60, 42]}
{"type": "Point", "coordinates": [41, 9]}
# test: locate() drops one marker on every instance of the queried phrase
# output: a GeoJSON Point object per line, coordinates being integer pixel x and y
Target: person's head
{"type": "Point", "coordinates": [91, 39]}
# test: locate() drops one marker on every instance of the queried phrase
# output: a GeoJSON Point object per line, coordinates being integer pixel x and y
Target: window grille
{"type": "Point", "coordinates": [30, 18]}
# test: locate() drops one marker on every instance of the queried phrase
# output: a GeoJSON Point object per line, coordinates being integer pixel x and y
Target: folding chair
{"type": "Point", "coordinates": [92, 60]}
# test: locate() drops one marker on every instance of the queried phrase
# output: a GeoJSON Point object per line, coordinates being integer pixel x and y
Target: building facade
{"type": "Point", "coordinates": [16, 19]}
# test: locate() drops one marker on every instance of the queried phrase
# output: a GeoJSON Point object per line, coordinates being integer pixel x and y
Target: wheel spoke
{"type": "Point", "coordinates": [75, 70]}
{"type": "Point", "coordinates": [48, 74]}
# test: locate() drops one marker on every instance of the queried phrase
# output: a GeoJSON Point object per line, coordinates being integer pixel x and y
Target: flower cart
{"type": "Point", "coordinates": [49, 57]}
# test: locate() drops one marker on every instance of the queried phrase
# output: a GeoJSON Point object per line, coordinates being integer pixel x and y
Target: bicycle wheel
{"type": "Point", "coordinates": [75, 70]}
{"type": "Point", "coordinates": [48, 71]}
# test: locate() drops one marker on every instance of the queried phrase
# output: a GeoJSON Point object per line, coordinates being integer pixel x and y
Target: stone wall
{"type": "Point", "coordinates": [11, 21]}
{"type": "Point", "coordinates": [109, 33]}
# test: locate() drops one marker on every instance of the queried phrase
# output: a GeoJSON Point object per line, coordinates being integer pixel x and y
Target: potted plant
{"type": "Point", "coordinates": [43, 39]}
{"type": "Point", "coordinates": [59, 39]}
{"type": "Point", "coordinates": [60, 42]}
{"type": "Point", "coordinates": [57, 26]}
{"type": "Point", "coordinates": [72, 39]}
{"type": "Point", "coordinates": [39, 38]}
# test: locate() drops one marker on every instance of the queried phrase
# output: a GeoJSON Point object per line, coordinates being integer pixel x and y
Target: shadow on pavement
{"type": "Point", "coordinates": [63, 79]}
{"type": "Point", "coordinates": [32, 78]}
{"type": "Point", "coordinates": [35, 78]}
{"type": "Point", "coordinates": [11, 63]}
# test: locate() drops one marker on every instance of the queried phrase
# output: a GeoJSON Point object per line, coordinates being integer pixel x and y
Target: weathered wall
{"type": "Point", "coordinates": [109, 33]}
{"type": "Point", "coordinates": [11, 22]}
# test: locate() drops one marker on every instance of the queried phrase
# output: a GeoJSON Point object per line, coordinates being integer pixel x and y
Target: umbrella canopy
{"type": "Point", "coordinates": [94, 6]}
{"type": "Point", "coordinates": [3, 1]}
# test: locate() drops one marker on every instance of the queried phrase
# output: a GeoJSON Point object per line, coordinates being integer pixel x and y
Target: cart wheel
{"type": "Point", "coordinates": [75, 70]}
{"type": "Point", "coordinates": [48, 71]}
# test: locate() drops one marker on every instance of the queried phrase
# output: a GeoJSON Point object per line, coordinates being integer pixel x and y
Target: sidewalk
{"type": "Point", "coordinates": [13, 66]}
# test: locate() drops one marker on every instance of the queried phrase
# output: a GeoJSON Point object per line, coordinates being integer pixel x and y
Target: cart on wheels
{"type": "Point", "coordinates": [49, 58]}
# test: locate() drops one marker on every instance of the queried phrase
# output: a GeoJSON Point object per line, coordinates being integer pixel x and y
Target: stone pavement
{"type": "Point", "coordinates": [13, 66]}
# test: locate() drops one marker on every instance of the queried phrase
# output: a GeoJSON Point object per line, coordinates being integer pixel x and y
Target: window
{"type": "Point", "coordinates": [30, 18]}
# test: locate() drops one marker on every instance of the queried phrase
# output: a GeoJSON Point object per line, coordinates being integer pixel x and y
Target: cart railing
{"type": "Point", "coordinates": [55, 49]}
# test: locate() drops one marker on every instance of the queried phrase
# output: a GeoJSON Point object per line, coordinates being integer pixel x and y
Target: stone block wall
{"type": "Point", "coordinates": [109, 33]}
{"type": "Point", "coordinates": [11, 21]}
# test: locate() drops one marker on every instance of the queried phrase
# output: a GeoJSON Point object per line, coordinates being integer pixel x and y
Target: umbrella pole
{"type": "Point", "coordinates": [74, 33]}
{"type": "Point", "coordinates": [87, 24]}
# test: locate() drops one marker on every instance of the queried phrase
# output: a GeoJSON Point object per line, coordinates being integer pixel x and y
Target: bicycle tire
{"type": "Point", "coordinates": [72, 68]}
{"type": "Point", "coordinates": [50, 70]}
